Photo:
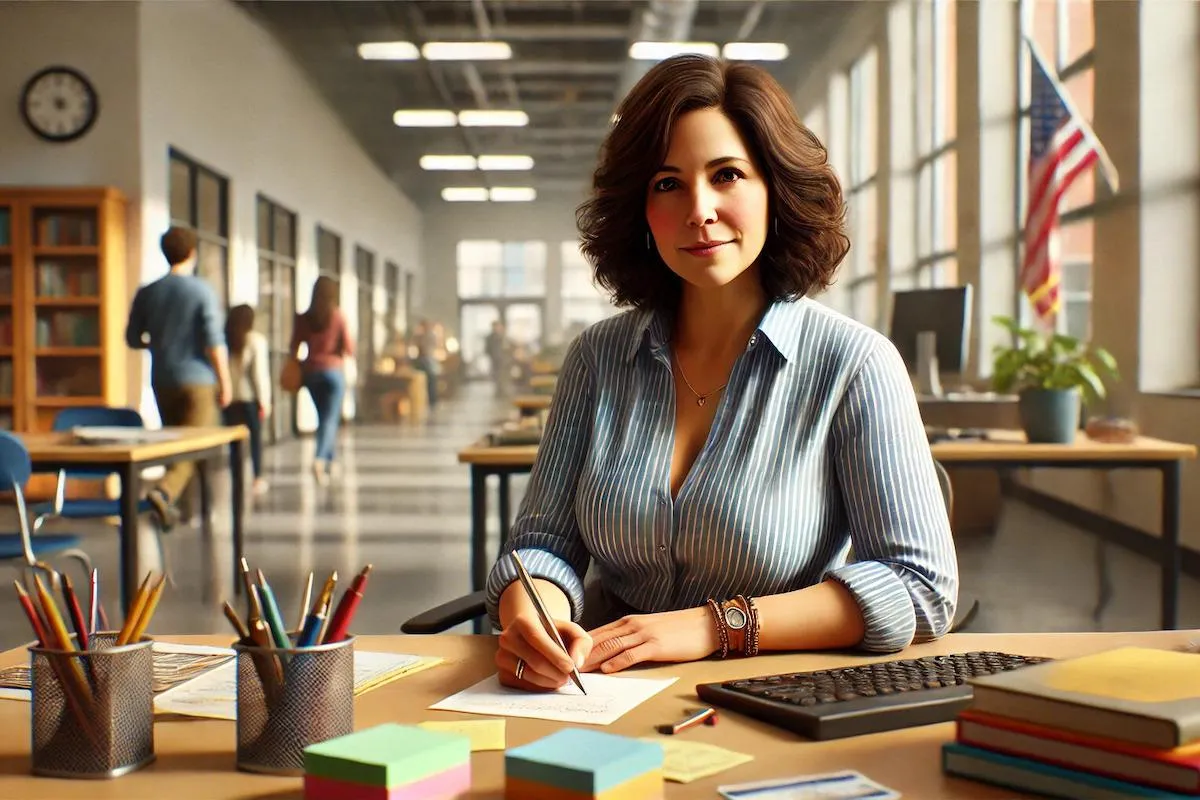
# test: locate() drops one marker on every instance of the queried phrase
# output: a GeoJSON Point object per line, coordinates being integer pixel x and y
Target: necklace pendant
{"type": "Point", "coordinates": [699, 401]}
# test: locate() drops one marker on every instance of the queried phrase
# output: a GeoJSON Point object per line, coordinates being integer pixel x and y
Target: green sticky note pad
{"type": "Point", "coordinates": [387, 755]}
{"type": "Point", "coordinates": [581, 760]}
{"type": "Point", "coordinates": [485, 734]}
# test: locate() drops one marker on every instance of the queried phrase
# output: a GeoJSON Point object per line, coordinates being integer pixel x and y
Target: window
{"type": "Point", "coordinates": [364, 271]}
{"type": "Point", "coordinates": [1064, 33]}
{"type": "Point", "coordinates": [329, 253]}
{"type": "Point", "coordinates": [488, 268]}
{"type": "Point", "coordinates": [937, 162]}
{"type": "Point", "coordinates": [862, 201]}
{"type": "Point", "coordinates": [394, 286]}
{"type": "Point", "coordinates": [583, 302]}
{"type": "Point", "coordinates": [276, 309]}
{"type": "Point", "coordinates": [199, 200]}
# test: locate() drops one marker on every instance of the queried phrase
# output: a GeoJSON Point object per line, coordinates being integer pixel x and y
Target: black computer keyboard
{"type": "Point", "coordinates": [884, 696]}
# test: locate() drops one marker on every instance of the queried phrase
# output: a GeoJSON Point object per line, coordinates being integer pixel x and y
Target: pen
{"type": "Point", "coordinates": [93, 601]}
{"type": "Point", "coordinates": [325, 602]}
{"type": "Point", "coordinates": [271, 613]}
{"type": "Point", "coordinates": [34, 620]}
{"type": "Point", "coordinates": [305, 599]}
{"type": "Point", "coordinates": [339, 625]}
{"type": "Point", "coordinates": [547, 622]}
{"type": "Point", "coordinates": [706, 715]}
{"type": "Point", "coordinates": [72, 603]}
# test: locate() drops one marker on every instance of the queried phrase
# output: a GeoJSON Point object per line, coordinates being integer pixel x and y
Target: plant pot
{"type": "Point", "coordinates": [1049, 416]}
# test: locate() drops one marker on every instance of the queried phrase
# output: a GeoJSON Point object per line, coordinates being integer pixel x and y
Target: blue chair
{"type": "Point", "coordinates": [91, 508]}
{"type": "Point", "coordinates": [24, 546]}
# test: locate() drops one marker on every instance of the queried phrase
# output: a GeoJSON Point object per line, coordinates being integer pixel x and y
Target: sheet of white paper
{"type": "Point", "coordinates": [608, 698]}
{"type": "Point", "coordinates": [214, 693]}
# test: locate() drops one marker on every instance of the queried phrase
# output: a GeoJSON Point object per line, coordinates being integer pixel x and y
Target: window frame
{"type": "Point", "coordinates": [281, 262]}
{"type": "Point", "coordinates": [933, 154]}
{"type": "Point", "coordinates": [218, 238]}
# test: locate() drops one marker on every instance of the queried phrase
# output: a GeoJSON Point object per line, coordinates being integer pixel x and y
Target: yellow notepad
{"type": "Point", "coordinates": [485, 734]}
{"type": "Point", "coordinates": [685, 761]}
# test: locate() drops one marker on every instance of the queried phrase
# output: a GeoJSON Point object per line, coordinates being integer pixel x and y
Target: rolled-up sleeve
{"type": "Point", "coordinates": [905, 573]}
{"type": "Point", "coordinates": [546, 531]}
{"type": "Point", "coordinates": [211, 323]}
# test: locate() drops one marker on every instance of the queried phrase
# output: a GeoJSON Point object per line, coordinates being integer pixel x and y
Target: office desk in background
{"type": "Point", "coordinates": [529, 404]}
{"type": "Point", "coordinates": [194, 752]}
{"type": "Point", "coordinates": [54, 451]}
{"type": "Point", "coordinates": [1003, 449]}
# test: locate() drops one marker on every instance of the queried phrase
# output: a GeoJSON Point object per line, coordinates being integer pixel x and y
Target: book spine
{"type": "Point", "coordinates": [1103, 722]}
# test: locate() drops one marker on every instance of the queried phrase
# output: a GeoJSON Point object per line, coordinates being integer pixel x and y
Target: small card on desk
{"type": "Point", "coordinates": [685, 761]}
{"type": "Point", "coordinates": [485, 734]}
{"type": "Point", "coordinates": [844, 785]}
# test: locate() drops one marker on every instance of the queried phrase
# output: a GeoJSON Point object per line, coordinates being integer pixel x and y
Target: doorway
{"type": "Point", "coordinates": [522, 321]}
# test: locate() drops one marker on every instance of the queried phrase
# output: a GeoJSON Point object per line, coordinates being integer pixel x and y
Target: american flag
{"type": "Point", "coordinates": [1061, 147]}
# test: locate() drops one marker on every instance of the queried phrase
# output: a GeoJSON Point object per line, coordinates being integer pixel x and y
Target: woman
{"type": "Point", "coordinates": [250, 374]}
{"type": "Point", "coordinates": [714, 453]}
{"type": "Point", "coordinates": [323, 329]}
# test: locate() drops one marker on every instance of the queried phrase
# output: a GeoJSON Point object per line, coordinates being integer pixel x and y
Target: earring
{"type": "Point", "coordinates": [647, 240]}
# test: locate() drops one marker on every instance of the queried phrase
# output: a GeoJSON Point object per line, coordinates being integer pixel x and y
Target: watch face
{"type": "Point", "coordinates": [59, 104]}
{"type": "Point", "coordinates": [735, 618]}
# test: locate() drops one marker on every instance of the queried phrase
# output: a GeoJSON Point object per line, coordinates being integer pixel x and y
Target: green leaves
{"type": "Point", "coordinates": [1039, 360]}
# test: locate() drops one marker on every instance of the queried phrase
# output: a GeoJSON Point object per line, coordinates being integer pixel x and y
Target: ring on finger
{"type": "Point", "coordinates": [520, 670]}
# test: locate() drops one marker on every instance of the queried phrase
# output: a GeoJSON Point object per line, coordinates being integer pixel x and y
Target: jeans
{"type": "Point", "coordinates": [326, 388]}
{"type": "Point", "coordinates": [245, 412]}
{"type": "Point", "coordinates": [429, 366]}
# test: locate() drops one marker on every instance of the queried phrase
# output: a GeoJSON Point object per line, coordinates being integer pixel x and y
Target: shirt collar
{"type": "Point", "coordinates": [780, 326]}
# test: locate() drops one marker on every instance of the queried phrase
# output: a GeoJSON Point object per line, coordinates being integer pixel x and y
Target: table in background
{"type": "Point", "coordinates": [200, 752]}
{"type": "Point", "coordinates": [54, 451]}
{"type": "Point", "coordinates": [1003, 449]}
{"type": "Point", "coordinates": [530, 404]}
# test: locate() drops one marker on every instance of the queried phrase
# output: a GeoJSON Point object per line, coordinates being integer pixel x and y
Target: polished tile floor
{"type": "Point", "coordinates": [401, 504]}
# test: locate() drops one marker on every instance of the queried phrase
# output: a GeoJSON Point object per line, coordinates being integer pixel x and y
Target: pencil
{"type": "Point", "coordinates": [135, 611]}
{"type": "Point", "coordinates": [93, 600]}
{"type": "Point", "coordinates": [305, 599]}
{"type": "Point", "coordinates": [71, 673]}
{"type": "Point", "coordinates": [72, 602]}
{"type": "Point", "coordinates": [34, 620]}
{"type": "Point", "coordinates": [147, 611]}
{"type": "Point", "coordinates": [253, 609]}
{"type": "Point", "coordinates": [240, 627]}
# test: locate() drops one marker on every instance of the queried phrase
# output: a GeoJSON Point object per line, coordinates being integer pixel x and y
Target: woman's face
{"type": "Point", "coordinates": [707, 204]}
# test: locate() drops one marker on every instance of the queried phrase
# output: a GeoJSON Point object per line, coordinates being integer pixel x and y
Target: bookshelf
{"type": "Point", "coordinates": [63, 303]}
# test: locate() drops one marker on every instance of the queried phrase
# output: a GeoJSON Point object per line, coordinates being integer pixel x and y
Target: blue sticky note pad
{"type": "Point", "coordinates": [581, 760]}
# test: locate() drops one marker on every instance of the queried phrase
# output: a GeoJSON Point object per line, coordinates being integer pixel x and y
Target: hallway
{"type": "Point", "coordinates": [402, 505]}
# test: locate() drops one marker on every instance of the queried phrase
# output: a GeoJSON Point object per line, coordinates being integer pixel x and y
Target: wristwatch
{"type": "Point", "coordinates": [736, 621]}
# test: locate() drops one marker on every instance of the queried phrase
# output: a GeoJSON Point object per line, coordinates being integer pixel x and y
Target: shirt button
{"type": "Point", "coordinates": [753, 340]}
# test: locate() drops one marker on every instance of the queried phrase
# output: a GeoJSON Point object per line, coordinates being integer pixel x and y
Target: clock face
{"type": "Point", "coordinates": [59, 104]}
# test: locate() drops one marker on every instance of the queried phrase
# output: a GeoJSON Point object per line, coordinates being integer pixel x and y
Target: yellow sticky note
{"type": "Point", "coordinates": [685, 761]}
{"type": "Point", "coordinates": [1133, 674]}
{"type": "Point", "coordinates": [485, 734]}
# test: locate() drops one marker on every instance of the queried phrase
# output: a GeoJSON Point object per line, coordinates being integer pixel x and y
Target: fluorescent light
{"type": "Point", "coordinates": [466, 51]}
{"type": "Point", "coordinates": [755, 51]}
{"type": "Point", "coordinates": [424, 118]}
{"type": "Point", "coordinates": [513, 194]}
{"type": "Point", "coordinates": [494, 118]}
{"type": "Point", "coordinates": [388, 51]}
{"type": "Point", "coordinates": [506, 162]}
{"type": "Point", "coordinates": [657, 51]}
{"type": "Point", "coordinates": [448, 162]}
{"type": "Point", "coordinates": [465, 194]}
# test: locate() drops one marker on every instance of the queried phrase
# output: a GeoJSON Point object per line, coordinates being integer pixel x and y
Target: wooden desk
{"type": "Point", "coordinates": [54, 451]}
{"type": "Point", "coordinates": [1003, 449]}
{"type": "Point", "coordinates": [195, 753]}
{"type": "Point", "coordinates": [529, 404]}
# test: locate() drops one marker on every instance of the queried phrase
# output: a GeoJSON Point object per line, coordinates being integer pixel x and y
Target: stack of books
{"type": "Point", "coordinates": [1122, 723]}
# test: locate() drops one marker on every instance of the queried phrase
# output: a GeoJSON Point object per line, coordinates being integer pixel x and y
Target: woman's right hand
{"type": "Point", "coordinates": [547, 667]}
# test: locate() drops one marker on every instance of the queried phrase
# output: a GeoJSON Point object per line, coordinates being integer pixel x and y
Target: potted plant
{"type": "Point", "coordinates": [1052, 375]}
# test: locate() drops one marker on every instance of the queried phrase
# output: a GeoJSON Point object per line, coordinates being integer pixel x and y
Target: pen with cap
{"type": "Point", "coordinates": [544, 615]}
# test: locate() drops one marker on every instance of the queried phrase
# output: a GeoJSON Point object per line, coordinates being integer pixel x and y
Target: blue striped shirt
{"type": "Point", "coordinates": [817, 448]}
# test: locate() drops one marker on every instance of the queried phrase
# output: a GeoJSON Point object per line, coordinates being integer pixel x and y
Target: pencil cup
{"type": "Point", "coordinates": [93, 711]}
{"type": "Point", "coordinates": [290, 699]}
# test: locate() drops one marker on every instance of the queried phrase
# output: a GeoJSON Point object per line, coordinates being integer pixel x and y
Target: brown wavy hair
{"type": "Point", "coordinates": [238, 324]}
{"type": "Point", "coordinates": [806, 239]}
{"type": "Point", "coordinates": [324, 302]}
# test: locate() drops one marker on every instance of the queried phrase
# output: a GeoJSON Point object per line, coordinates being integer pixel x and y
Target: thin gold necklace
{"type": "Point", "coordinates": [700, 398]}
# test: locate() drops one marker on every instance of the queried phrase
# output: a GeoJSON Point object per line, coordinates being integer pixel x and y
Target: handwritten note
{"type": "Point", "coordinates": [485, 734]}
{"type": "Point", "coordinates": [608, 698]}
{"type": "Point", "coordinates": [685, 761]}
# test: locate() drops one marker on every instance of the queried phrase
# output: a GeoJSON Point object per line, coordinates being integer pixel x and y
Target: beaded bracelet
{"type": "Point", "coordinates": [752, 625]}
{"type": "Point", "coordinates": [722, 630]}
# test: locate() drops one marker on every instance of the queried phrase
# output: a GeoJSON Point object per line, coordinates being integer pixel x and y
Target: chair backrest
{"type": "Point", "coordinates": [101, 416]}
{"type": "Point", "coordinates": [15, 466]}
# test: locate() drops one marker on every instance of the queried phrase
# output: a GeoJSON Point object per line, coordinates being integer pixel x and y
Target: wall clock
{"type": "Point", "coordinates": [59, 104]}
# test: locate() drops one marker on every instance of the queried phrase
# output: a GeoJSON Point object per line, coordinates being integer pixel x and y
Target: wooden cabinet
{"type": "Point", "coordinates": [63, 302]}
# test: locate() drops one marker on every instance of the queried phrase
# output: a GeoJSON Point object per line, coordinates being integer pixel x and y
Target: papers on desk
{"type": "Point", "coordinates": [113, 434]}
{"type": "Point", "coordinates": [846, 785]}
{"type": "Point", "coordinates": [608, 698]}
{"type": "Point", "coordinates": [685, 761]}
{"type": "Point", "coordinates": [214, 694]}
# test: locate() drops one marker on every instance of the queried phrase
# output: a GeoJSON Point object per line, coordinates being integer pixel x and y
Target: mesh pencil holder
{"type": "Point", "coordinates": [92, 714]}
{"type": "Point", "coordinates": [290, 699]}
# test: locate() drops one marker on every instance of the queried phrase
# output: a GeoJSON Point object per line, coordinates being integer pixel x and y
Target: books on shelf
{"type": "Point", "coordinates": [55, 279]}
{"type": "Point", "coordinates": [68, 329]}
{"type": "Point", "coordinates": [66, 229]}
{"type": "Point", "coordinates": [1121, 723]}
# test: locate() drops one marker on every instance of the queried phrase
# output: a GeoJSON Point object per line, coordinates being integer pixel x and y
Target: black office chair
{"type": "Point", "coordinates": [470, 607]}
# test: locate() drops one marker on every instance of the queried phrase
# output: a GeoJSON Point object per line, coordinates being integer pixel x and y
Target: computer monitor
{"type": "Point", "coordinates": [931, 328]}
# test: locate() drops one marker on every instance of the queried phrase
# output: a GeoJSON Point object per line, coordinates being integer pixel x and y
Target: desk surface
{"type": "Point", "coordinates": [193, 752]}
{"type": "Point", "coordinates": [1001, 445]}
{"type": "Point", "coordinates": [61, 447]}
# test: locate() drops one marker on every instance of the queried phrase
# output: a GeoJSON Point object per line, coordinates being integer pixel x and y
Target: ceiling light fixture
{"type": "Point", "coordinates": [465, 194]}
{"type": "Point", "coordinates": [513, 194]}
{"type": "Point", "coordinates": [466, 51]}
{"type": "Point", "coordinates": [755, 51]}
{"type": "Point", "coordinates": [388, 51]}
{"type": "Point", "coordinates": [425, 118]}
{"type": "Point", "coordinates": [506, 162]}
{"type": "Point", "coordinates": [657, 51]}
{"type": "Point", "coordinates": [435, 162]}
{"type": "Point", "coordinates": [492, 118]}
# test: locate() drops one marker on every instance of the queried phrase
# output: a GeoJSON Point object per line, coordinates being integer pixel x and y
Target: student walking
{"type": "Point", "coordinates": [323, 329]}
{"type": "Point", "coordinates": [250, 373]}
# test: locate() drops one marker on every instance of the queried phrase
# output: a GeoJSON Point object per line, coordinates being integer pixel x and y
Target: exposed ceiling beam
{"type": "Point", "coordinates": [547, 67]}
{"type": "Point", "coordinates": [534, 33]}
{"type": "Point", "coordinates": [551, 134]}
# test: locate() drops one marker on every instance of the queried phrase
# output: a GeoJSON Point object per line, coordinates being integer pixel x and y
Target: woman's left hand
{"type": "Point", "coordinates": [672, 636]}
